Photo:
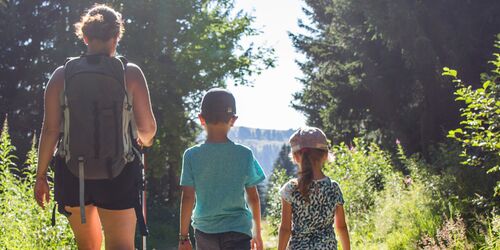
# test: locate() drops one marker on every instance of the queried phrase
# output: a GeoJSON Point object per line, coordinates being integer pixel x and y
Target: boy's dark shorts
{"type": "Point", "coordinates": [222, 241]}
{"type": "Point", "coordinates": [121, 192]}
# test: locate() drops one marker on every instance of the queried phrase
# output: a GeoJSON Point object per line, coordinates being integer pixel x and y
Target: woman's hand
{"type": "Point", "coordinates": [42, 191]}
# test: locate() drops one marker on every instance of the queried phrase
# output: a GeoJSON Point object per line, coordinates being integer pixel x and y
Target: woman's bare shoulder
{"type": "Point", "coordinates": [133, 70]}
{"type": "Point", "coordinates": [56, 81]}
{"type": "Point", "coordinates": [134, 76]}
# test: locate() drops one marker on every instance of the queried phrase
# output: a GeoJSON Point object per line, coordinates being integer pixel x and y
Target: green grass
{"type": "Point", "coordinates": [270, 239]}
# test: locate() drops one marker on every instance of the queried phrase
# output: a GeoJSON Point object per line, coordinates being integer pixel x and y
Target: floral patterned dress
{"type": "Point", "coordinates": [312, 222]}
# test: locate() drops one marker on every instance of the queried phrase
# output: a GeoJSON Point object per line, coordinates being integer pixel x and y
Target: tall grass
{"type": "Point", "coordinates": [387, 209]}
{"type": "Point", "coordinates": [23, 224]}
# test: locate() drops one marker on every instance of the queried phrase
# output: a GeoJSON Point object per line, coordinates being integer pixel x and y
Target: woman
{"type": "Point", "coordinates": [100, 28]}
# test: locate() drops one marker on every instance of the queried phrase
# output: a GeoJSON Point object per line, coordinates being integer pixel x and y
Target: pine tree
{"type": "Point", "coordinates": [284, 161]}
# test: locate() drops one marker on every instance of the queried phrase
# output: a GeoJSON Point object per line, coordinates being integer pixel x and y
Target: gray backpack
{"type": "Point", "coordinates": [97, 129]}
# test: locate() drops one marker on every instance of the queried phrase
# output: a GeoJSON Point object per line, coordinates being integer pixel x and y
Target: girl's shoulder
{"type": "Point", "coordinates": [335, 188]}
{"type": "Point", "coordinates": [290, 183]}
{"type": "Point", "coordinates": [287, 190]}
{"type": "Point", "coordinates": [332, 183]}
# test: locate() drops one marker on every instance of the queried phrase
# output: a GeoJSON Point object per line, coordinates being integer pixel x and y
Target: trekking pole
{"type": "Point", "coordinates": [144, 199]}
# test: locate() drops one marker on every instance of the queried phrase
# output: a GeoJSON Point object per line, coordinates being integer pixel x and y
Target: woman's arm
{"type": "Point", "coordinates": [143, 113]}
{"type": "Point", "coordinates": [254, 202]}
{"type": "Point", "coordinates": [286, 224]}
{"type": "Point", "coordinates": [341, 227]}
{"type": "Point", "coordinates": [49, 134]}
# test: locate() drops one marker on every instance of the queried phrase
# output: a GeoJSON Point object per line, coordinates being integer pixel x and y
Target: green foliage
{"type": "Point", "coordinates": [273, 211]}
{"type": "Point", "coordinates": [450, 236]}
{"type": "Point", "coordinates": [491, 233]}
{"type": "Point", "coordinates": [383, 211]}
{"type": "Point", "coordinates": [479, 133]}
{"type": "Point", "coordinates": [362, 170]}
{"type": "Point", "coordinates": [284, 169]}
{"type": "Point", "coordinates": [23, 224]}
{"type": "Point", "coordinates": [372, 67]}
{"type": "Point", "coordinates": [388, 210]}
{"type": "Point", "coordinates": [183, 47]}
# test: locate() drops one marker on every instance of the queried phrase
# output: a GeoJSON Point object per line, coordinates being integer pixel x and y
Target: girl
{"type": "Point", "coordinates": [109, 203]}
{"type": "Point", "coordinates": [313, 202]}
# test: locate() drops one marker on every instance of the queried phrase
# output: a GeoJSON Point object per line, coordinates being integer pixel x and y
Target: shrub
{"type": "Point", "coordinates": [385, 209]}
{"type": "Point", "coordinates": [24, 225]}
{"type": "Point", "coordinates": [450, 236]}
{"type": "Point", "coordinates": [479, 133]}
{"type": "Point", "coordinates": [362, 171]}
{"type": "Point", "coordinates": [273, 212]}
{"type": "Point", "coordinates": [409, 207]}
{"type": "Point", "coordinates": [491, 235]}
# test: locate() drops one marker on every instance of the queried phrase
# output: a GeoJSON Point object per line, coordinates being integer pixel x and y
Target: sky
{"type": "Point", "coordinates": [267, 104]}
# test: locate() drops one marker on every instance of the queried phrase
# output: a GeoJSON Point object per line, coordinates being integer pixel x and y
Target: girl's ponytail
{"type": "Point", "coordinates": [305, 174]}
{"type": "Point", "coordinates": [310, 157]}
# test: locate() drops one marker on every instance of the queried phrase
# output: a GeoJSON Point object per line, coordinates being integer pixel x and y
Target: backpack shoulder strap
{"type": "Point", "coordinates": [124, 62]}
{"type": "Point", "coordinates": [63, 145]}
{"type": "Point", "coordinates": [67, 71]}
{"type": "Point", "coordinates": [67, 65]}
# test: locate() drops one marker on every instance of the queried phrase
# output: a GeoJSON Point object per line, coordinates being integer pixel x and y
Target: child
{"type": "Point", "coordinates": [216, 174]}
{"type": "Point", "coordinates": [312, 201]}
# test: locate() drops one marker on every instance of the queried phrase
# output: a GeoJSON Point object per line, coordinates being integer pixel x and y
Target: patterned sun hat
{"type": "Point", "coordinates": [308, 137]}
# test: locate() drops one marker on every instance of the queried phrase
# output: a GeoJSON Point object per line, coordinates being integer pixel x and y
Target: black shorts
{"type": "Point", "coordinates": [121, 192]}
{"type": "Point", "coordinates": [222, 241]}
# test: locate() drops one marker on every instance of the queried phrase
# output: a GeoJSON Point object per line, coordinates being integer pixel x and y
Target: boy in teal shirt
{"type": "Point", "coordinates": [217, 174]}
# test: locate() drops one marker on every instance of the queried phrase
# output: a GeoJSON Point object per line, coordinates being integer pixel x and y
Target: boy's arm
{"type": "Point", "coordinates": [286, 225]}
{"type": "Point", "coordinates": [254, 203]}
{"type": "Point", "coordinates": [187, 203]}
{"type": "Point", "coordinates": [341, 227]}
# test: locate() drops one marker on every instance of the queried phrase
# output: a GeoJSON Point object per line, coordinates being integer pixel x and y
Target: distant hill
{"type": "Point", "coordinates": [265, 143]}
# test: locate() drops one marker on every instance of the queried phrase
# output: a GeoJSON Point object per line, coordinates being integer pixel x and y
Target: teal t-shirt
{"type": "Point", "coordinates": [219, 173]}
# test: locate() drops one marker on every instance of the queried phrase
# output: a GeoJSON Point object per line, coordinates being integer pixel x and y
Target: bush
{"type": "Point", "coordinates": [362, 171]}
{"type": "Point", "coordinates": [479, 133]}
{"type": "Point", "coordinates": [385, 209]}
{"type": "Point", "coordinates": [23, 224]}
{"type": "Point", "coordinates": [450, 236]}
{"type": "Point", "coordinates": [273, 212]}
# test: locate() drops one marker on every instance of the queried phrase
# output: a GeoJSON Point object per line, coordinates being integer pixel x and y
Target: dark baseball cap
{"type": "Point", "coordinates": [218, 101]}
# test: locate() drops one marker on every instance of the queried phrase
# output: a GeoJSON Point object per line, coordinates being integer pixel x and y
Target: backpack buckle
{"type": "Point", "coordinates": [130, 157]}
{"type": "Point", "coordinates": [62, 152]}
{"type": "Point", "coordinates": [128, 107]}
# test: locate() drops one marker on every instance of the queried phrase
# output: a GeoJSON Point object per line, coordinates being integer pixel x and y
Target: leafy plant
{"type": "Point", "coordinates": [278, 179]}
{"type": "Point", "coordinates": [23, 224]}
{"type": "Point", "coordinates": [362, 170]}
{"type": "Point", "coordinates": [450, 236]}
{"type": "Point", "coordinates": [479, 133]}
